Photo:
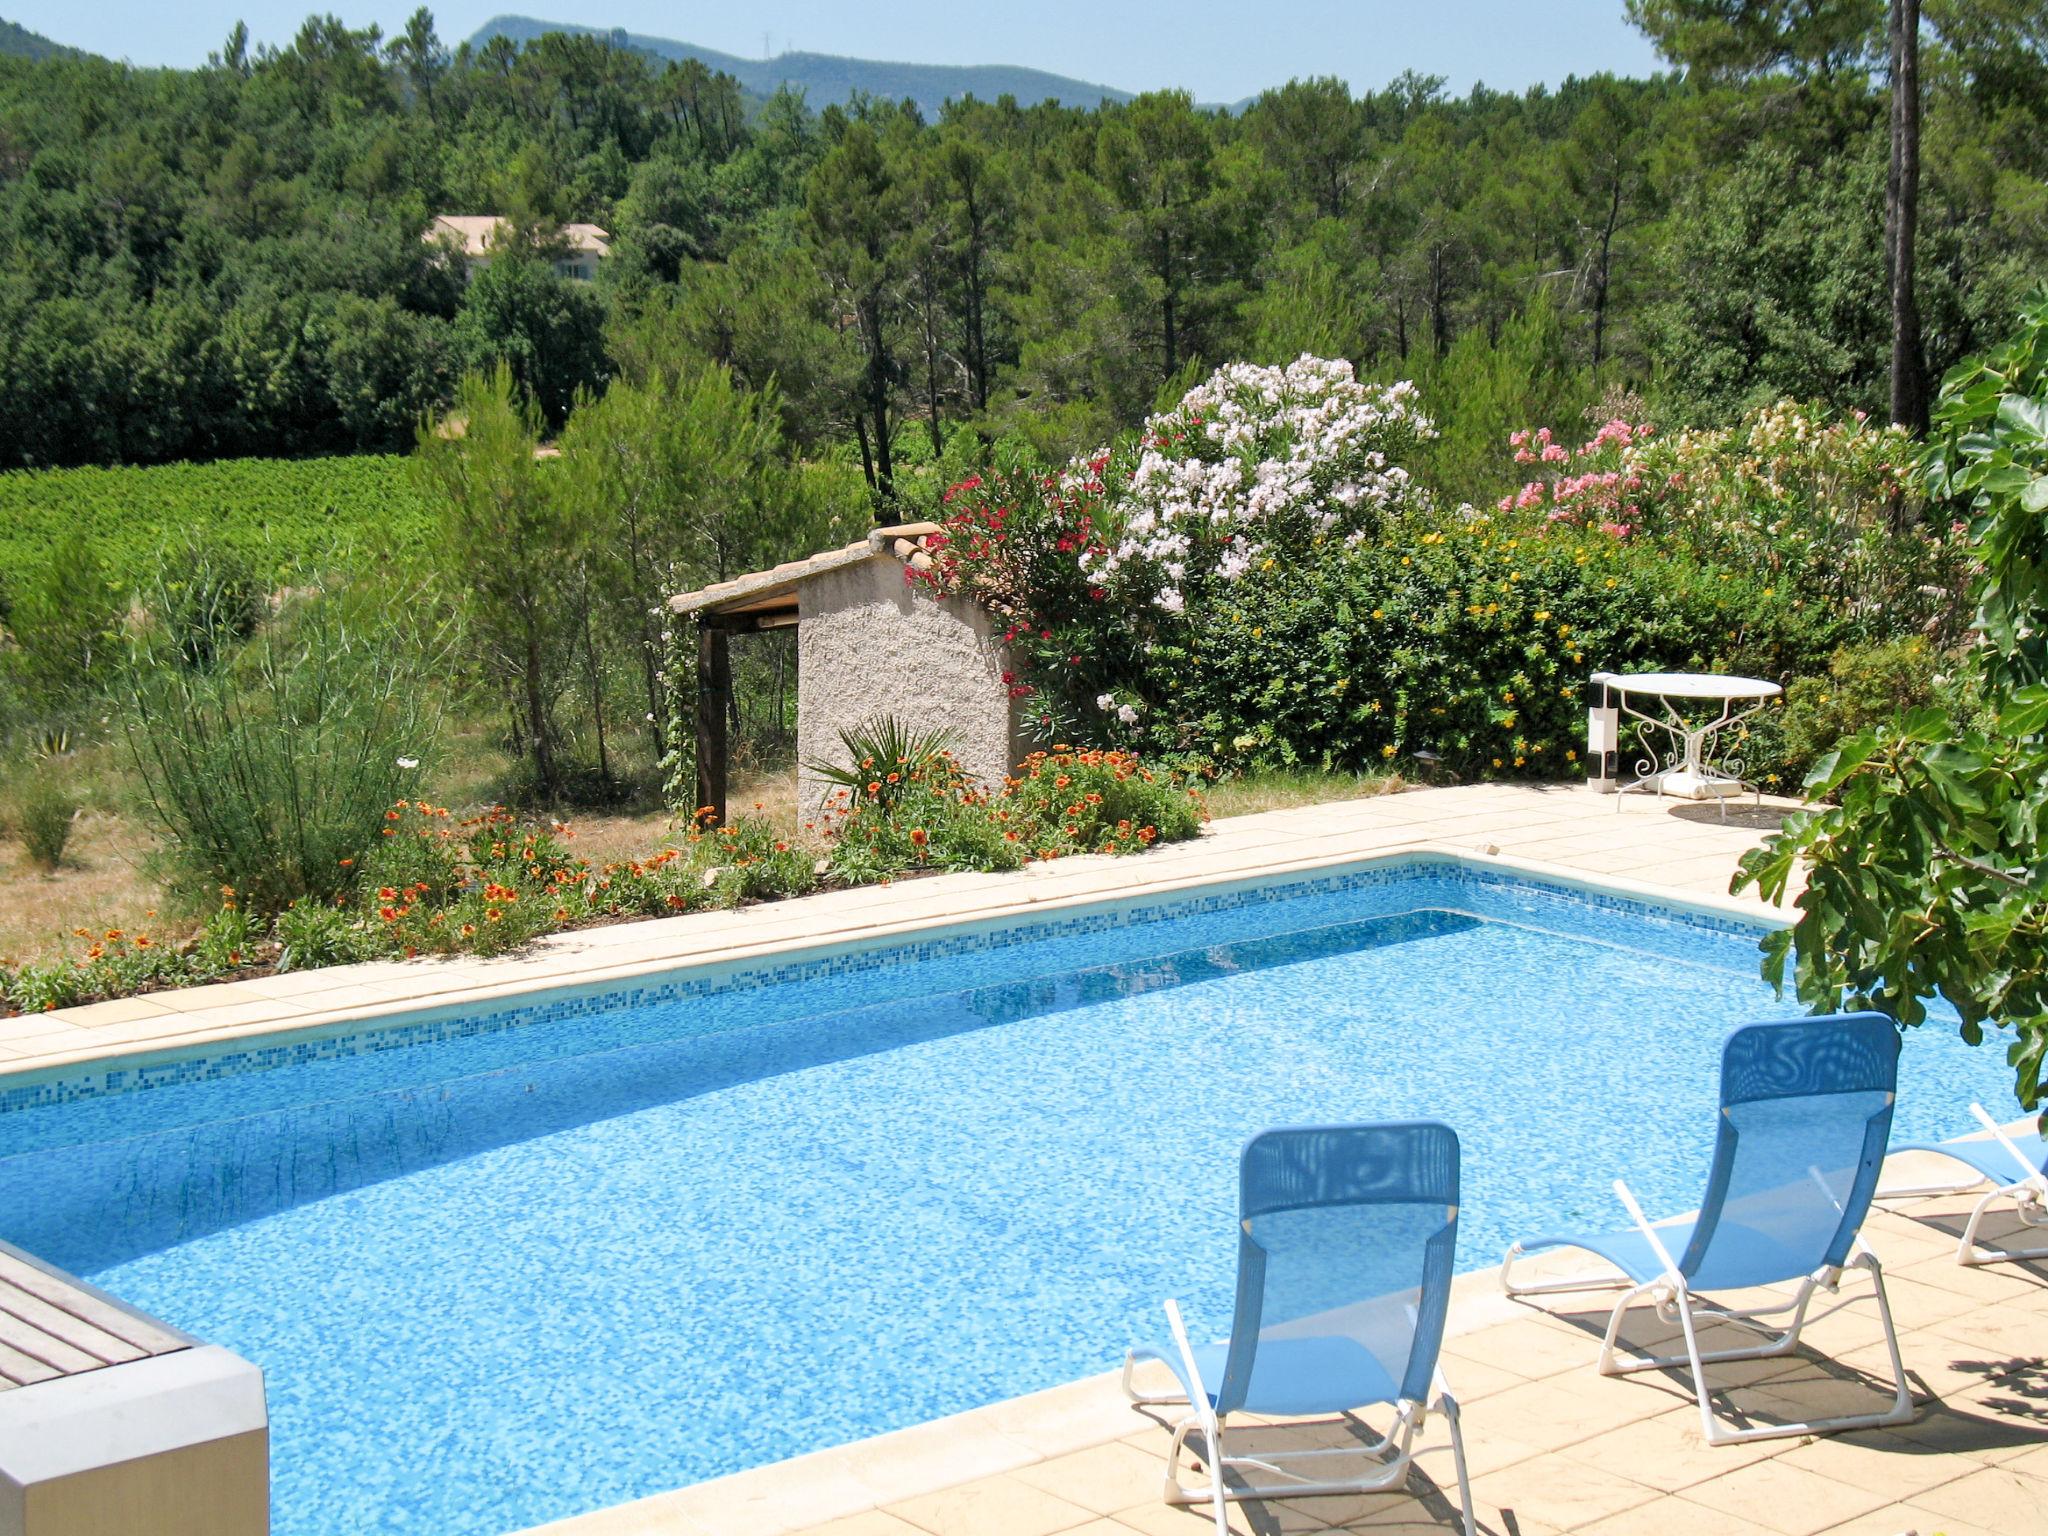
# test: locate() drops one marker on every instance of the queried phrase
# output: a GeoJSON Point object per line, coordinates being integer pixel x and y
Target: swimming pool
{"type": "Point", "coordinates": [502, 1268]}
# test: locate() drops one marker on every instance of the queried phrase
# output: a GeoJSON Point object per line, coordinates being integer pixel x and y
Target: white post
{"type": "Point", "coordinates": [1603, 737]}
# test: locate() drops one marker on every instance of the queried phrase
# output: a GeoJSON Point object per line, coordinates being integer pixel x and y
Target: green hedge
{"type": "Point", "coordinates": [1466, 641]}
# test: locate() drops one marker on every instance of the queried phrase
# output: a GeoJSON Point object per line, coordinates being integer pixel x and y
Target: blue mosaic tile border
{"type": "Point", "coordinates": [1129, 912]}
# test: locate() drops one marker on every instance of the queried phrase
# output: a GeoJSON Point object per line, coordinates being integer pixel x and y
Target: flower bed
{"type": "Point", "coordinates": [432, 883]}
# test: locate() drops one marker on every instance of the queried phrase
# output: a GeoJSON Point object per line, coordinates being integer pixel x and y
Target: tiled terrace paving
{"type": "Point", "coordinates": [1554, 1447]}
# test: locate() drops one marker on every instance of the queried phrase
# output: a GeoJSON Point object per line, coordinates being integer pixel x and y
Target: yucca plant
{"type": "Point", "coordinates": [885, 754]}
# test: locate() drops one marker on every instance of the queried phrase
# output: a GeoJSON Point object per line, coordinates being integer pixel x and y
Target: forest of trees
{"type": "Point", "coordinates": [228, 261]}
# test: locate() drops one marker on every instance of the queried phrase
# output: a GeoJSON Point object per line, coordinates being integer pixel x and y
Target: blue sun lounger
{"type": "Point", "coordinates": [1345, 1249]}
{"type": "Point", "coordinates": [2017, 1167]}
{"type": "Point", "coordinates": [1806, 1106]}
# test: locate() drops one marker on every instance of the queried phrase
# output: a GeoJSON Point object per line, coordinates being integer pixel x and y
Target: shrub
{"type": "Point", "coordinates": [1099, 566]}
{"type": "Point", "coordinates": [65, 621]}
{"type": "Point", "coordinates": [1256, 583]}
{"type": "Point", "coordinates": [271, 773]}
{"type": "Point", "coordinates": [311, 933]}
{"type": "Point", "coordinates": [42, 987]}
{"type": "Point", "coordinates": [435, 884]}
{"type": "Point", "coordinates": [1819, 506]}
{"type": "Point", "coordinates": [938, 820]}
{"type": "Point", "coordinates": [1865, 686]}
{"type": "Point", "coordinates": [1464, 639]}
{"type": "Point", "coordinates": [45, 811]}
{"type": "Point", "coordinates": [206, 598]}
{"type": "Point", "coordinates": [756, 863]}
{"type": "Point", "coordinates": [229, 939]}
{"type": "Point", "coordinates": [1058, 802]}
{"type": "Point", "coordinates": [1099, 802]}
{"type": "Point", "coordinates": [119, 964]}
{"type": "Point", "coordinates": [483, 885]}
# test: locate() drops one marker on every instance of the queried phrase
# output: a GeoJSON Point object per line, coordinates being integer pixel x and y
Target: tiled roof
{"type": "Point", "coordinates": [774, 590]}
{"type": "Point", "coordinates": [476, 233]}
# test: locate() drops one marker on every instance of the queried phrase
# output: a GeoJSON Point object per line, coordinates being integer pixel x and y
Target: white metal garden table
{"type": "Point", "coordinates": [1679, 717]}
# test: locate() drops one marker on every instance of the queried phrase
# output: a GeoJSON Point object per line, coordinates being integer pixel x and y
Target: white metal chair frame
{"type": "Point", "coordinates": [1393, 1453]}
{"type": "Point", "coordinates": [2029, 1195]}
{"type": "Point", "coordinates": [1673, 1296]}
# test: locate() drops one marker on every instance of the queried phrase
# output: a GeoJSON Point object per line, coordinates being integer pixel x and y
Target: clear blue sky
{"type": "Point", "coordinates": [1221, 50]}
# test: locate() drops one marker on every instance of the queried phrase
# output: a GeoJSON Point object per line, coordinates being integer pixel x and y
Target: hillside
{"type": "Point", "coordinates": [825, 78]}
{"type": "Point", "coordinates": [17, 42]}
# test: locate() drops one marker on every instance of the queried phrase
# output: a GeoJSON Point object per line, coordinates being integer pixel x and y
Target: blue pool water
{"type": "Point", "coordinates": [526, 1265]}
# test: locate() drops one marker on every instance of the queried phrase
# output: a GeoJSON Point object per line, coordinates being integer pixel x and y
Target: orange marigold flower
{"type": "Point", "coordinates": [919, 836]}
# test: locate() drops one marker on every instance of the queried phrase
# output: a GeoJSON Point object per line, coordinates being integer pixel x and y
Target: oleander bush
{"type": "Point", "coordinates": [1255, 582]}
{"type": "Point", "coordinates": [1826, 508]}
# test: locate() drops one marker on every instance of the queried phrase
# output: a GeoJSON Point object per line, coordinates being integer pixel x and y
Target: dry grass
{"type": "Point", "coordinates": [101, 884]}
{"type": "Point", "coordinates": [602, 839]}
{"type": "Point", "coordinates": [1280, 791]}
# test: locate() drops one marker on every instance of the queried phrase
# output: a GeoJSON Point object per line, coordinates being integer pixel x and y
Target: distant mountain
{"type": "Point", "coordinates": [825, 78]}
{"type": "Point", "coordinates": [17, 42]}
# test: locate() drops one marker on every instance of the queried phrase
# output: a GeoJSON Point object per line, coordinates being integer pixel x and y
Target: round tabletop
{"type": "Point", "coordinates": [1689, 685]}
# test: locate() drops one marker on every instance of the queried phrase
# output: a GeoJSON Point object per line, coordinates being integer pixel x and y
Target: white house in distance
{"type": "Point", "coordinates": [473, 235]}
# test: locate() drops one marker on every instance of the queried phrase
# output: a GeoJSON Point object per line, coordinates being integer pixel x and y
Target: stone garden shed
{"type": "Point", "coordinates": [869, 643]}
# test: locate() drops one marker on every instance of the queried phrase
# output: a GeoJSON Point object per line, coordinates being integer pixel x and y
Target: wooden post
{"type": "Point", "coordinates": [714, 700]}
